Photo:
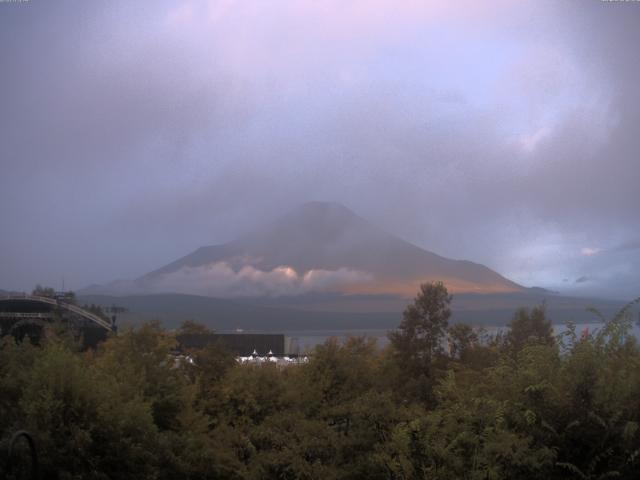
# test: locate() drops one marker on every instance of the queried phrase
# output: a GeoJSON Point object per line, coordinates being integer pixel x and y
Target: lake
{"type": "Point", "coordinates": [308, 339]}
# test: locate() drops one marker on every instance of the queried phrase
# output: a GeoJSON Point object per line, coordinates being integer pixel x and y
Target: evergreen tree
{"type": "Point", "coordinates": [420, 337]}
{"type": "Point", "coordinates": [530, 328]}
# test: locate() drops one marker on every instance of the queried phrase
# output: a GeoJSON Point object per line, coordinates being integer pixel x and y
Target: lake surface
{"type": "Point", "coordinates": [308, 339]}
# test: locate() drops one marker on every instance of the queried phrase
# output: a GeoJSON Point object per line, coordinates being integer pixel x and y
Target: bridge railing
{"type": "Point", "coordinates": [89, 315]}
{"type": "Point", "coordinates": [44, 316]}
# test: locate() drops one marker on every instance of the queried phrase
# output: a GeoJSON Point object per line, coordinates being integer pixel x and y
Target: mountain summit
{"type": "Point", "coordinates": [319, 246]}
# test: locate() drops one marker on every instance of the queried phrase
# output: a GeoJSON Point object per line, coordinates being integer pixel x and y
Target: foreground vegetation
{"type": "Point", "coordinates": [523, 405]}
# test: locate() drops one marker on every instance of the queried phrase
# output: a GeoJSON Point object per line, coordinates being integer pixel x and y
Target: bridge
{"type": "Point", "coordinates": [10, 307]}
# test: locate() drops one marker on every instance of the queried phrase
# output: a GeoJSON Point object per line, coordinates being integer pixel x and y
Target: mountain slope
{"type": "Point", "coordinates": [319, 246]}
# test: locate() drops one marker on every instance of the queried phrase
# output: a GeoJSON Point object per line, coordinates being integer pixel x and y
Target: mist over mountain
{"type": "Point", "coordinates": [318, 247]}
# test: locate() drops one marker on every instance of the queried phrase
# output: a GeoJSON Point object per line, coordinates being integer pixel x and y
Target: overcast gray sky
{"type": "Point", "coordinates": [503, 132]}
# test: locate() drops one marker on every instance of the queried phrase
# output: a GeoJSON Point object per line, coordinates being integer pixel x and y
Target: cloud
{"type": "Point", "coordinates": [530, 141]}
{"type": "Point", "coordinates": [590, 251]}
{"type": "Point", "coordinates": [628, 246]}
{"type": "Point", "coordinates": [158, 127]}
{"type": "Point", "coordinates": [220, 280]}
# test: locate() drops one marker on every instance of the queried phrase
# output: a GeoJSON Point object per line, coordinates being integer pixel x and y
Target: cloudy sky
{"type": "Point", "coordinates": [503, 132]}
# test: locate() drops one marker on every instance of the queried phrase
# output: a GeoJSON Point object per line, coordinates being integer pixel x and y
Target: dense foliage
{"type": "Point", "coordinates": [440, 402]}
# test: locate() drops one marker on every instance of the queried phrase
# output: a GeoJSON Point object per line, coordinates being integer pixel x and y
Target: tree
{"type": "Point", "coordinates": [85, 425]}
{"type": "Point", "coordinates": [420, 336]}
{"type": "Point", "coordinates": [141, 359]}
{"type": "Point", "coordinates": [191, 327]}
{"type": "Point", "coordinates": [69, 297]}
{"type": "Point", "coordinates": [40, 291]}
{"type": "Point", "coordinates": [530, 328]}
{"type": "Point", "coordinates": [462, 339]}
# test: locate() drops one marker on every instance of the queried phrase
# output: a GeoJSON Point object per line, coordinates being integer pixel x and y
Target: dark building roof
{"type": "Point", "coordinates": [241, 344]}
